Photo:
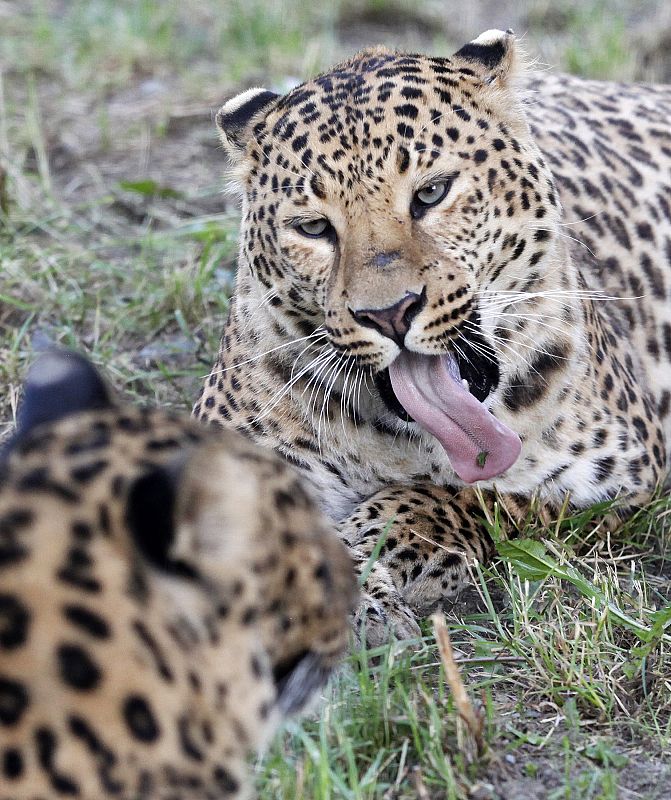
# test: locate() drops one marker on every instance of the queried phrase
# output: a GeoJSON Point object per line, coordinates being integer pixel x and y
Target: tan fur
{"type": "Point", "coordinates": [254, 586]}
{"type": "Point", "coordinates": [583, 378]}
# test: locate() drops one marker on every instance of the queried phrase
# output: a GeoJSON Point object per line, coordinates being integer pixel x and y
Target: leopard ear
{"type": "Point", "coordinates": [195, 511]}
{"type": "Point", "coordinates": [236, 118]}
{"type": "Point", "coordinates": [60, 383]}
{"type": "Point", "coordinates": [493, 53]}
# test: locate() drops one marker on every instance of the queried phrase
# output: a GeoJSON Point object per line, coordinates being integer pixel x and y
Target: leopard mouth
{"type": "Point", "coordinates": [478, 366]}
{"type": "Point", "coordinates": [444, 395]}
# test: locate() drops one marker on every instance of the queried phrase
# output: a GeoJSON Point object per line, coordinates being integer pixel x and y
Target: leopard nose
{"type": "Point", "coordinates": [394, 321]}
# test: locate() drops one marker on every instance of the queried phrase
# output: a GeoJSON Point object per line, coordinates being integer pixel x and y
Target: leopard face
{"type": "Point", "coordinates": [403, 240]}
{"type": "Point", "coordinates": [167, 597]}
{"type": "Point", "coordinates": [390, 201]}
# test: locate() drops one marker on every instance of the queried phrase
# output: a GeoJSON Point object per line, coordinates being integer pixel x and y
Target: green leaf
{"type": "Point", "coordinates": [661, 620]}
{"type": "Point", "coordinates": [373, 557]}
{"type": "Point", "coordinates": [150, 188]}
{"type": "Point", "coordinates": [529, 558]}
{"type": "Point", "coordinates": [602, 754]}
{"type": "Point", "coordinates": [531, 561]}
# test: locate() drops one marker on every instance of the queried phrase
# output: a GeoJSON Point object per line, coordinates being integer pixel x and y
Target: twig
{"type": "Point", "coordinates": [472, 719]}
{"type": "Point", "coordinates": [418, 784]}
{"type": "Point", "coordinates": [475, 661]}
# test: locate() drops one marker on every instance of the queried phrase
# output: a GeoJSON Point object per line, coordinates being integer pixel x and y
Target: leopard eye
{"type": "Point", "coordinates": [315, 228]}
{"type": "Point", "coordinates": [431, 194]}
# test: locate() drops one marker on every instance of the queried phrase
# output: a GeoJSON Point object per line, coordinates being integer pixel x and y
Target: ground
{"type": "Point", "coordinates": [116, 238]}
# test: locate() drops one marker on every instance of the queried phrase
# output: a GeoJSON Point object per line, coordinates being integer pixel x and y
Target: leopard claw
{"type": "Point", "coordinates": [378, 620]}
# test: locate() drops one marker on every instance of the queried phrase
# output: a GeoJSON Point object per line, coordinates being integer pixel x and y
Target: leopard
{"type": "Point", "coordinates": [167, 597]}
{"type": "Point", "coordinates": [452, 304]}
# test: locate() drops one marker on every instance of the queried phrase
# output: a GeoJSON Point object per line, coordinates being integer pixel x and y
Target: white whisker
{"type": "Point", "coordinates": [318, 333]}
{"type": "Point", "coordinates": [286, 387]}
{"type": "Point", "coordinates": [323, 413]}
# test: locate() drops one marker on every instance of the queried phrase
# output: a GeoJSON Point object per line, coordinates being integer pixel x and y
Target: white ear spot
{"type": "Point", "coordinates": [52, 367]}
{"type": "Point", "coordinates": [235, 103]}
{"type": "Point", "coordinates": [490, 37]}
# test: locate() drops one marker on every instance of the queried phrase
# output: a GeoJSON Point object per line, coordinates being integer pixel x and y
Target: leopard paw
{"type": "Point", "coordinates": [382, 612]}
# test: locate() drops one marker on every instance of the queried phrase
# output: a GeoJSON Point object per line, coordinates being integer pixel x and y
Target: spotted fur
{"type": "Point", "coordinates": [166, 596]}
{"type": "Point", "coordinates": [546, 270]}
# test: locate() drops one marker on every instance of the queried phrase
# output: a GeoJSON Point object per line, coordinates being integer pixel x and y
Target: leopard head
{"type": "Point", "coordinates": [395, 202]}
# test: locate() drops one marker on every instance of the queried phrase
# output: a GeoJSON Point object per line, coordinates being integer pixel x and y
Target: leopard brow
{"type": "Point", "coordinates": [435, 176]}
{"type": "Point", "coordinates": [303, 218]}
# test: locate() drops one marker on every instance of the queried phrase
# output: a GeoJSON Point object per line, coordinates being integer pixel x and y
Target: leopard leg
{"type": "Point", "coordinates": [433, 535]}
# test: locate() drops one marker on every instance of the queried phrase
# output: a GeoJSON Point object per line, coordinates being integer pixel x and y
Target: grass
{"type": "Point", "coordinates": [569, 686]}
{"type": "Point", "coordinates": [606, 50]}
{"type": "Point", "coordinates": [130, 303]}
{"type": "Point", "coordinates": [115, 239]}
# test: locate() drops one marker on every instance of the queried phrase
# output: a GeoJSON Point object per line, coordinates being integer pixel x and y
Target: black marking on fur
{"type": "Point", "coordinates": [46, 745]}
{"type": "Point", "coordinates": [12, 549]}
{"type": "Point", "coordinates": [528, 389]}
{"type": "Point", "coordinates": [77, 668]}
{"type": "Point", "coordinates": [86, 620]}
{"type": "Point", "coordinates": [140, 718]}
{"type": "Point", "coordinates": [104, 757]}
{"type": "Point", "coordinates": [233, 123]}
{"type": "Point", "coordinates": [12, 764]}
{"type": "Point", "coordinates": [13, 701]}
{"type": "Point", "coordinates": [150, 518]}
{"type": "Point", "coordinates": [490, 55]}
{"type": "Point", "coordinates": [39, 480]}
{"type": "Point", "coordinates": [14, 622]}
{"type": "Point", "coordinates": [189, 747]}
{"type": "Point", "coordinates": [154, 648]}
{"type": "Point", "coordinates": [228, 783]}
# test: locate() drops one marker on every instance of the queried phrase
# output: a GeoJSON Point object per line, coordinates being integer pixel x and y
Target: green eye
{"type": "Point", "coordinates": [431, 194]}
{"type": "Point", "coordinates": [315, 228]}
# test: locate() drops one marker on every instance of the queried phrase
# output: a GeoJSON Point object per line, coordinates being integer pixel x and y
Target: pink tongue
{"type": "Point", "coordinates": [430, 390]}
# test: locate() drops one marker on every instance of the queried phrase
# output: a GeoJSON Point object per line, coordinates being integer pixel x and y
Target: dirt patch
{"type": "Point", "coordinates": [145, 133]}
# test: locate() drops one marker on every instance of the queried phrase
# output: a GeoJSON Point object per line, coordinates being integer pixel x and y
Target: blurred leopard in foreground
{"type": "Point", "coordinates": [166, 596]}
{"type": "Point", "coordinates": [454, 284]}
